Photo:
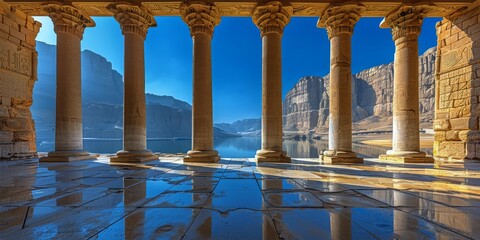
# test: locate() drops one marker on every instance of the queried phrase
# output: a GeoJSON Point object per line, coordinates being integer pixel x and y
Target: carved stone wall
{"type": "Point", "coordinates": [457, 103]}
{"type": "Point", "coordinates": [18, 61]}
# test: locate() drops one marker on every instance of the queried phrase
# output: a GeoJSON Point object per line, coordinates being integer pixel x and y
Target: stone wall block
{"type": "Point", "coordinates": [441, 124]}
{"type": "Point", "coordinates": [470, 150]}
{"type": "Point", "coordinates": [6, 150]}
{"type": "Point", "coordinates": [23, 136]}
{"type": "Point", "coordinates": [464, 123]}
{"type": "Point", "coordinates": [440, 136]}
{"type": "Point", "coordinates": [452, 136]}
{"type": "Point", "coordinates": [13, 124]}
{"type": "Point", "coordinates": [6, 136]}
{"type": "Point", "coordinates": [19, 113]}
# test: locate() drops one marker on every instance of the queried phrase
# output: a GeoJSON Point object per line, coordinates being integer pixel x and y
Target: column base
{"type": "Point", "coordinates": [202, 156]}
{"type": "Point", "coordinates": [339, 157]}
{"type": "Point", "coordinates": [406, 157]}
{"type": "Point", "coordinates": [67, 156]}
{"type": "Point", "coordinates": [139, 156]}
{"type": "Point", "coordinates": [272, 156]}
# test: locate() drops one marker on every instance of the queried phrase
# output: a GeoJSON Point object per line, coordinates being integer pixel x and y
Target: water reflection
{"type": "Point", "coordinates": [241, 147]}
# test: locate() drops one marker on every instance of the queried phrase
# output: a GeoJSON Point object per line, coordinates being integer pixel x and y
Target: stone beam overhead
{"type": "Point", "coordinates": [301, 8]}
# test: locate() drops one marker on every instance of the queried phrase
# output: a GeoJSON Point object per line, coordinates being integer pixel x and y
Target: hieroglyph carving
{"type": "Point", "coordinates": [272, 17]}
{"type": "Point", "coordinates": [406, 20]}
{"type": "Point", "coordinates": [15, 59]}
{"type": "Point", "coordinates": [200, 17]}
{"type": "Point", "coordinates": [68, 19]}
{"type": "Point", "coordinates": [338, 19]}
{"type": "Point", "coordinates": [132, 18]}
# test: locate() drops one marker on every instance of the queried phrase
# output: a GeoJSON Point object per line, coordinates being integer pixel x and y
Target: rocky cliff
{"type": "Point", "coordinates": [102, 97]}
{"type": "Point", "coordinates": [305, 107]}
{"type": "Point", "coordinates": [245, 127]}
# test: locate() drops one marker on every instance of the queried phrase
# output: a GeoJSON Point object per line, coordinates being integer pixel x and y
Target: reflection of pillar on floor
{"type": "Point", "coordinates": [339, 22]}
{"type": "Point", "coordinates": [268, 231]}
{"type": "Point", "coordinates": [134, 22]}
{"type": "Point", "coordinates": [271, 19]}
{"type": "Point", "coordinates": [406, 23]}
{"type": "Point", "coordinates": [69, 24]}
{"type": "Point", "coordinates": [341, 224]}
{"type": "Point", "coordinates": [201, 18]}
{"type": "Point", "coordinates": [198, 193]}
{"type": "Point", "coordinates": [405, 225]}
{"type": "Point", "coordinates": [134, 191]}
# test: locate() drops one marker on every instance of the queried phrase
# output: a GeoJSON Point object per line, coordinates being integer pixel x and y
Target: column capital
{"type": "Point", "coordinates": [68, 19]}
{"type": "Point", "coordinates": [201, 17]}
{"type": "Point", "coordinates": [340, 19]}
{"type": "Point", "coordinates": [132, 18]}
{"type": "Point", "coordinates": [406, 20]}
{"type": "Point", "coordinates": [272, 17]}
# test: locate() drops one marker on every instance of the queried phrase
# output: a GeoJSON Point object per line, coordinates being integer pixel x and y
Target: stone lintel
{"type": "Point", "coordinates": [406, 159]}
{"type": "Point", "coordinates": [272, 17]}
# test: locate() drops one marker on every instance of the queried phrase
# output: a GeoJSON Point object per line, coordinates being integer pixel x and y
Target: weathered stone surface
{"type": "Point", "coordinates": [301, 104]}
{"type": "Point", "coordinates": [6, 136]}
{"type": "Point", "coordinates": [372, 97]}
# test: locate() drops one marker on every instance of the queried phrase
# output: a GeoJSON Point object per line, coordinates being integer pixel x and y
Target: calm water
{"type": "Point", "coordinates": [227, 147]}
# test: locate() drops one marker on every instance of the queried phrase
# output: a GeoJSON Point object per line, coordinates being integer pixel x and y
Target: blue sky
{"type": "Point", "coordinates": [236, 56]}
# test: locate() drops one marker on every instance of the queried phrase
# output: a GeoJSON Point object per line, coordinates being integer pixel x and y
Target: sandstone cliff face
{"type": "Point", "coordinates": [372, 97]}
{"type": "Point", "coordinates": [302, 104]}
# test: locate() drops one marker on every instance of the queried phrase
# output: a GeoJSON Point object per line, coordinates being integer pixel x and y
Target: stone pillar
{"type": "Point", "coordinates": [134, 22]}
{"type": "Point", "coordinates": [271, 18]}
{"type": "Point", "coordinates": [69, 24]}
{"type": "Point", "coordinates": [406, 23]}
{"type": "Point", "coordinates": [201, 19]}
{"type": "Point", "coordinates": [339, 22]}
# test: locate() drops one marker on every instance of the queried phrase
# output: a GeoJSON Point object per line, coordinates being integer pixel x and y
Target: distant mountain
{"type": "Point", "coordinates": [306, 105]}
{"type": "Point", "coordinates": [245, 127]}
{"type": "Point", "coordinates": [102, 97]}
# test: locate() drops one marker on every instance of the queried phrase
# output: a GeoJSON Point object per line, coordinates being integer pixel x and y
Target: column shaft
{"type": "Point", "coordinates": [201, 18]}
{"type": "Point", "coordinates": [271, 18]}
{"type": "Point", "coordinates": [202, 114]}
{"type": "Point", "coordinates": [340, 119]}
{"type": "Point", "coordinates": [134, 22]}
{"type": "Point", "coordinates": [69, 24]}
{"type": "Point", "coordinates": [406, 23]}
{"type": "Point", "coordinates": [406, 120]}
{"type": "Point", "coordinates": [272, 138]}
{"type": "Point", "coordinates": [68, 124]}
{"type": "Point", "coordinates": [339, 20]}
{"type": "Point", "coordinates": [134, 122]}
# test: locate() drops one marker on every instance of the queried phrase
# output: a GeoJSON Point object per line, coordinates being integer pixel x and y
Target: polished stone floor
{"type": "Point", "coordinates": [238, 199]}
